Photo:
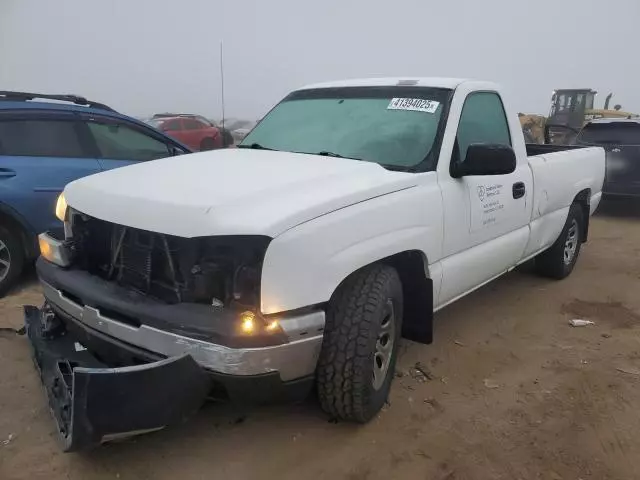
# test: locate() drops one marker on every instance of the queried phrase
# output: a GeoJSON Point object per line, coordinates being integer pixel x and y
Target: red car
{"type": "Point", "coordinates": [194, 131]}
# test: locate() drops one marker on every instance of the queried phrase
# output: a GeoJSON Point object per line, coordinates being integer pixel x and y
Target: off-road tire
{"type": "Point", "coordinates": [353, 323]}
{"type": "Point", "coordinates": [12, 245]}
{"type": "Point", "coordinates": [551, 263]}
{"type": "Point", "coordinates": [207, 144]}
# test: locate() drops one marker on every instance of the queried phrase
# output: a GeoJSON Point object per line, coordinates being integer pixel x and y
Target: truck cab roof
{"type": "Point", "coordinates": [436, 82]}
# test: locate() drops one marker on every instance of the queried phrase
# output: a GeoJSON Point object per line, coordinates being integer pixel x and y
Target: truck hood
{"type": "Point", "coordinates": [230, 192]}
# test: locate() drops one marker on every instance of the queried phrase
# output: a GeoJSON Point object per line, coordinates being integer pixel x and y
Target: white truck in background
{"type": "Point", "coordinates": [347, 216]}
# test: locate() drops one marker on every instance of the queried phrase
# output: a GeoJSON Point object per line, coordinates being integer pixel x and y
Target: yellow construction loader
{"type": "Point", "coordinates": [570, 110]}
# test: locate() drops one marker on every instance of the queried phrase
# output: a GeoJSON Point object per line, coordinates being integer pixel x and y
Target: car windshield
{"type": "Point", "coordinates": [610, 133]}
{"type": "Point", "coordinates": [205, 120]}
{"type": "Point", "coordinates": [155, 122]}
{"type": "Point", "coordinates": [393, 126]}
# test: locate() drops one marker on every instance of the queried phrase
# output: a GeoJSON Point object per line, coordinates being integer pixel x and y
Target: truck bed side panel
{"type": "Point", "coordinates": [557, 178]}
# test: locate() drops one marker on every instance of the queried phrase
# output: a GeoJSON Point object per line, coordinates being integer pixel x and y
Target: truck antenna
{"type": "Point", "coordinates": [222, 81]}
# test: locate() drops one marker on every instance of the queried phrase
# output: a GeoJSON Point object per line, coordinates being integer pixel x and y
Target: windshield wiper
{"type": "Point", "coordinates": [255, 146]}
{"type": "Point", "coordinates": [325, 153]}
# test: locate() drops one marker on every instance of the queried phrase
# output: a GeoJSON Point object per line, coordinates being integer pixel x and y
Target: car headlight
{"type": "Point", "coordinates": [61, 207]}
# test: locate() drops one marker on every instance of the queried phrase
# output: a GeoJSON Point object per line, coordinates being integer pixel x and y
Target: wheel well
{"type": "Point", "coordinates": [417, 288]}
{"type": "Point", "coordinates": [417, 293]}
{"type": "Point", "coordinates": [14, 225]}
{"type": "Point", "coordinates": [583, 199]}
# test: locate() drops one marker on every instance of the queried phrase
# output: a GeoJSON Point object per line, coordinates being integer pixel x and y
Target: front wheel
{"type": "Point", "coordinates": [558, 261]}
{"type": "Point", "coordinates": [360, 345]}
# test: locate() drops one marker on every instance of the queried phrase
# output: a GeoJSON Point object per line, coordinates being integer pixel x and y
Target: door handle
{"type": "Point", "coordinates": [518, 190]}
{"type": "Point", "coordinates": [7, 173]}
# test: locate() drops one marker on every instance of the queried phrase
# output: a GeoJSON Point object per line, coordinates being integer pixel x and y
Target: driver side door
{"type": "Point", "coordinates": [486, 217]}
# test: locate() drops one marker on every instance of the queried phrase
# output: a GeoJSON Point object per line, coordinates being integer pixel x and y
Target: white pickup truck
{"type": "Point", "coordinates": [347, 216]}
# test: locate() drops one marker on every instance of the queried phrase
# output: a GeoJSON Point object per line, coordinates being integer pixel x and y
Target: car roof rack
{"type": "Point", "coordinates": [24, 96]}
{"type": "Point", "coordinates": [166, 115]}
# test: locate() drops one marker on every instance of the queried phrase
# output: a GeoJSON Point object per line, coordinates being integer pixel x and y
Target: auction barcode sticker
{"type": "Point", "coordinates": [413, 104]}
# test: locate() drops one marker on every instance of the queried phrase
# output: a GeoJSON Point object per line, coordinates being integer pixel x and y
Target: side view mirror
{"type": "Point", "coordinates": [485, 159]}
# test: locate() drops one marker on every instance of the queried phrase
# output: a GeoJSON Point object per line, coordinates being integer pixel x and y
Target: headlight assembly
{"type": "Point", "coordinates": [61, 207]}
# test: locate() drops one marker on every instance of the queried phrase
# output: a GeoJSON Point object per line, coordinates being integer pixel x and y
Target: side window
{"type": "Point", "coordinates": [40, 138]}
{"type": "Point", "coordinates": [173, 125]}
{"type": "Point", "coordinates": [190, 124]}
{"type": "Point", "coordinates": [120, 142]}
{"type": "Point", "coordinates": [482, 121]}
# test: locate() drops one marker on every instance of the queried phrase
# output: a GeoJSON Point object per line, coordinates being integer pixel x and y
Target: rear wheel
{"type": "Point", "coordinates": [360, 345]}
{"type": "Point", "coordinates": [207, 144]}
{"type": "Point", "coordinates": [11, 259]}
{"type": "Point", "coordinates": [227, 138]}
{"type": "Point", "coordinates": [558, 261]}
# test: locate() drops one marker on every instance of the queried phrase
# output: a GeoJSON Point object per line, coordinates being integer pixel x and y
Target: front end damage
{"type": "Point", "coordinates": [139, 328]}
{"type": "Point", "coordinates": [93, 403]}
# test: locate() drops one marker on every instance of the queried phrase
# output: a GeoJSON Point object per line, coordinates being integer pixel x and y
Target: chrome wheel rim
{"type": "Point", "coordinates": [571, 243]}
{"type": "Point", "coordinates": [384, 346]}
{"type": "Point", "coordinates": [5, 260]}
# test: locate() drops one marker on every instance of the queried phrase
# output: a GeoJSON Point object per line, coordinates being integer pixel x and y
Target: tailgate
{"type": "Point", "coordinates": [92, 403]}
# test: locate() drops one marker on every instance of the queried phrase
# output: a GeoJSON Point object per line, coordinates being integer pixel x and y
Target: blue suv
{"type": "Point", "coordinates": [43, 146]}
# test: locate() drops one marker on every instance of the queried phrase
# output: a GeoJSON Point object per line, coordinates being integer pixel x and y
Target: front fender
{"type": "Point", "coordinates": [305, 265]}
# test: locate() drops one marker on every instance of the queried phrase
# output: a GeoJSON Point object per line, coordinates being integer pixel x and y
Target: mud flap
{"type": "Point", "coordinates": [417, 324]}
{"type": "Point", "coordinates": [92, 403]}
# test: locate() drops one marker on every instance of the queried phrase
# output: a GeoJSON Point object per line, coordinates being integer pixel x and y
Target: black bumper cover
{"type": "Point", "coordinates": [92, 403]}
{"type": "Point", "coordinates": [111, 390]}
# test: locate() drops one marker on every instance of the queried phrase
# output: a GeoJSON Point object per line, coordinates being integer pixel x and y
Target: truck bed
{"type": "Point", "coordinates": [559, 174]}
{"type": "Point", "coordinates": [581, 169]}
{"type": "Point", "coordinates": [540, 149]}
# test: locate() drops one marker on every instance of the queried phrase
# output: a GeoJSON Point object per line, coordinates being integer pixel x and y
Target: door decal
{"type": "Point", "coordinates": [489, 203]}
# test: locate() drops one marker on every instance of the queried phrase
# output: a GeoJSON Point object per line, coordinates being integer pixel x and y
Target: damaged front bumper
{"type": "Point", "coordinates": [93, 403]}
{"type": "Point", "coordinates": [115, 363]}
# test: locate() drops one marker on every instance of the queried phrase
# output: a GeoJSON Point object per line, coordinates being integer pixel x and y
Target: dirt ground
{"type": "Point", "coordinates": [511, 391]}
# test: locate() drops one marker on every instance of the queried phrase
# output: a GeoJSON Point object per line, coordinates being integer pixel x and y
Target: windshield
{"type": "Point", "coordinates": [610, 133]}
{"type": "Point", "coordinates": [392, 126]}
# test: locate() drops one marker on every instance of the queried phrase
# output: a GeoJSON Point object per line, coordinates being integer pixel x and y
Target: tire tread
{"type": "Point", "coordinates": [343, 367]}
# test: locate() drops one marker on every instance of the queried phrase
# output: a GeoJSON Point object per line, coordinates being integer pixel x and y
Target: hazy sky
{"type": "Point", "coordinates": [145, 56]}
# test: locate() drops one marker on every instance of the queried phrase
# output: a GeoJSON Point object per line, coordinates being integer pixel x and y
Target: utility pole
{"type": "Point", "coordinates": [222, 81]}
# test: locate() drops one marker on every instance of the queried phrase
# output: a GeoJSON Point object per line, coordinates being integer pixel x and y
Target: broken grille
{"type": "Point", "coordinates": [145, 262]}
{"type": "Point", "coordinates": [214, 270]}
